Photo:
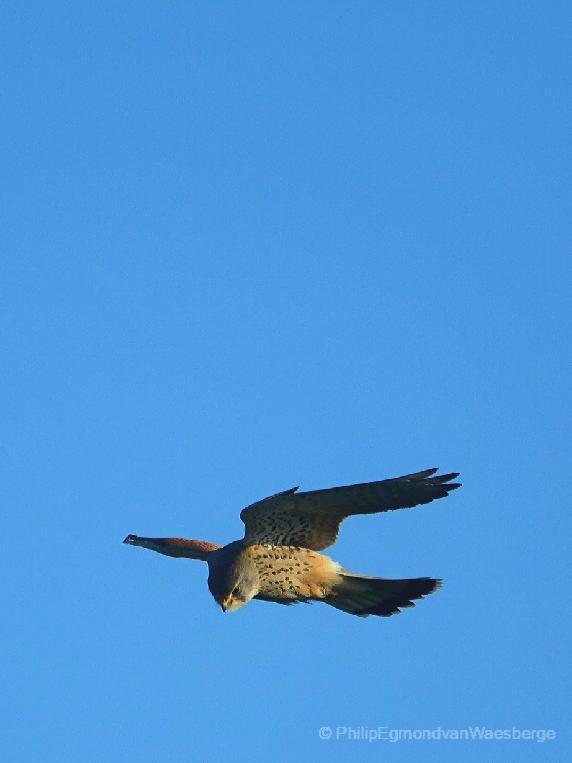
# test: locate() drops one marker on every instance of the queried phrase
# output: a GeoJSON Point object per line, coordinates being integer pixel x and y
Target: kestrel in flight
{"type": "Point", "coordinates": [278, 559]}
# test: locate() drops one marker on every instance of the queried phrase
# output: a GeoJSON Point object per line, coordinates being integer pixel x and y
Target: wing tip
{"type": "Point", "coordinates": [426, 474]}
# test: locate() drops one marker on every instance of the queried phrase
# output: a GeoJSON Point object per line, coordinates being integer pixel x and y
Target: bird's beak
{"type": "Point", "coordinates": [225, 603]}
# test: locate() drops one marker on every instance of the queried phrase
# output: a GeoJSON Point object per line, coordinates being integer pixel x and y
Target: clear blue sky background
{"type": "Point", "coordinates": [252, 245]}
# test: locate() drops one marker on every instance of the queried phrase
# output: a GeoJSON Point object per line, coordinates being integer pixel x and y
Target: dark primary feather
{"type": "Point", "coordinates": [385, 495]}
{"type": "Point", "coordinates": [311, 519]}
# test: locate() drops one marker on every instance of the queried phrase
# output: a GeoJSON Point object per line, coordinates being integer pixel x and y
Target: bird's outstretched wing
{"type": "Point", "coordinates": [312, 519]}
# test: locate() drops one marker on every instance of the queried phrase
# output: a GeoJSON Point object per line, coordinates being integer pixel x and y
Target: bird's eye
{"type": "Point", "coordinates": [235, 591]}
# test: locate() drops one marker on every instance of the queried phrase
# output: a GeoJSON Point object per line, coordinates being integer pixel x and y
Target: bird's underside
{"type": "Point", "coordinates": [278, 559]}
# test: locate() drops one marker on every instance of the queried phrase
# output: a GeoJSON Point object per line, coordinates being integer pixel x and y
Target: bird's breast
{"type": "Point", "coordinates": [290, 572]}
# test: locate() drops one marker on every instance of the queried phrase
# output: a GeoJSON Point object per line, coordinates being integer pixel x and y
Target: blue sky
{"type": "Point", "coordinates": [254, 245]}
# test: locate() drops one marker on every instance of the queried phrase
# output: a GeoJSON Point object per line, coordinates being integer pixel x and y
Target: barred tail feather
{"type": "Point", "coordinates": [363, 596]}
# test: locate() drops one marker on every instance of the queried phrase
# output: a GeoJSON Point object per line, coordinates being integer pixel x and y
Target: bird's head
{"type": "Point", "coordinates": [233, 585]}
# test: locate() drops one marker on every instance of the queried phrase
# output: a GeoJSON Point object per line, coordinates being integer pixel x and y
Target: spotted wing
{"type": "Point", "coordinates": [312, 519]}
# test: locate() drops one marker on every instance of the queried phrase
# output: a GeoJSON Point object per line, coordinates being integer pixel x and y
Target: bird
{"type": "Point", "coordinates": [278, 559]}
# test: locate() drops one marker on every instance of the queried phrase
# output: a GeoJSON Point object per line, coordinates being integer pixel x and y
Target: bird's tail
{"type": "Point", "coordinates": [363, 596]}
